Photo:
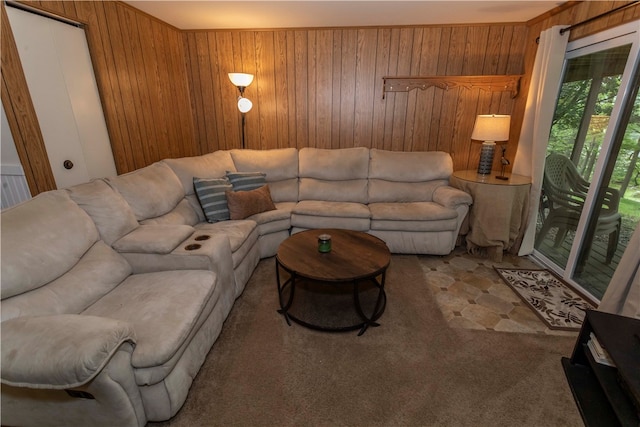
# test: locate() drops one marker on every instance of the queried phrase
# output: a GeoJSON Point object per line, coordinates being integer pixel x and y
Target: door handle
{"type": "Point", "coordinates": [68, 164]}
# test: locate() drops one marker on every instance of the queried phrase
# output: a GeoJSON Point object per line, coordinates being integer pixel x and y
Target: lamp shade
{"type": "Point", "coordinates": [491, 127]}
{"type": "Point", "coordinates": [244, 105]}
{"type": "Point", "coordinates": [241, 79]}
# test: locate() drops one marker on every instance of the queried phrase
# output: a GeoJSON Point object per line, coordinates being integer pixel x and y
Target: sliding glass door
{"type": "Point", "coordinates": [590, 202]}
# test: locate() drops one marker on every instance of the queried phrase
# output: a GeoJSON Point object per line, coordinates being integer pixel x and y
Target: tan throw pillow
{"type": "Point", "coordinates": [243, 204]}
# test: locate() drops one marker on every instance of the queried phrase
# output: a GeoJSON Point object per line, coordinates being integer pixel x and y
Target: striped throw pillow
{"type": "Point", "coordinates": [212, 198]}
{"type": "Point", "coordinates": [246, 181]}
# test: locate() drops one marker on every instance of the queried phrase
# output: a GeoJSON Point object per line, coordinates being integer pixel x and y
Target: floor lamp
{"type": "Point", "coordinates": [241, 81]}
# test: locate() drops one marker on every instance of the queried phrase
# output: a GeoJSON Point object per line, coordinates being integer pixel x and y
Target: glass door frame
{"type": "Point", "coordinates": [624, 34]}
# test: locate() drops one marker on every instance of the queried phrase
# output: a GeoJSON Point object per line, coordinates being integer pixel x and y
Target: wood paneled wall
{"type": "Point", "coordinates": [141, 76]}
{"type": "Point", "coordinates": [323, 87]}
{"type": "Point", "coordinates": [584, 10]}
{"type": "Point", "coordinates": [572, 13]}
{"type": "Point", "coordinates": [165, 92]}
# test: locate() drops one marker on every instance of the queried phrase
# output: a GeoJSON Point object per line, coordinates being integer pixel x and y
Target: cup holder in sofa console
{"type": "Point", "coordinates": [202, 237]}
{"type": "Point", "coordinates": [192, 247]}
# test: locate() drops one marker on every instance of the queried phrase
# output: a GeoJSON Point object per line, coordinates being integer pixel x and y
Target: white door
{"type": "Point", "coordinates": [57, 66]}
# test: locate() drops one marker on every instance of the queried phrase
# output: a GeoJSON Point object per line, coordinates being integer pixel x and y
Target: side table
{"type": "Point", "coordinates": [498, 216]}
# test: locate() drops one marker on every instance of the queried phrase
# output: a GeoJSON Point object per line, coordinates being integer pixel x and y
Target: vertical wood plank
{"type": "Point", "coordinates": [120, 138]}
{"type": "Point", "coordinates": [134, 60]}
{"type": "Point", "coordinates": [301, 82]}
{"type": "Point", "coordinates": [347, 84]}
{"type": "Point", "coordinates": [265, 65]}
{"type": "Point", "coordinates": [312, 105]}
{"type": "Point", "coordinates": [383, 46]}
{"type": "Point", "coordinates": [205, 50]}
{"type": "Point", "coordinates": [365, 87]}
{"type": "Point", "coordinates": [248, 64]}
{"type": "Point", "coordinates": [291, 92]}
{"type": "Point", "coordinates": [466, 110]}
{"type": "Point", "coordinates": [441, 70]}
{"type": "Point", "coordinates": [324, 88]}
{"type": "Point", "coordinates": [229, 134]}
{"type": "Point", "coordinates": [425, 99]}
{"type": "Point", "coordinates": [405, 47]}
{"type": "Point", "coordinates": [193, 73]}
{"type": "Point", "coordinates": [281, 90]}
{"type": "Point", "coordinates": [336, 93]}
{"type": "Point", "coordinates": [410, 122]}
{"type": "Point", "coordinates": [390, 99]}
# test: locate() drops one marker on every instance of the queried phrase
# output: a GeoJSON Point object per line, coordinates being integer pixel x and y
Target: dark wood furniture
{"type": "Point", "coordinates": [606, 395]}
{"type": "Point", "coordinates": [356, 259]}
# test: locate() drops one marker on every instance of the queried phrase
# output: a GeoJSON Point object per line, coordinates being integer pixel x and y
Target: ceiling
{"type": "Point", "coordinates": [190, 15]}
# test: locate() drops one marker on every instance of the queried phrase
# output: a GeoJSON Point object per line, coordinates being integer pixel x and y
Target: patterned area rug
{"type": "Point", "coordinates": [552, 300]}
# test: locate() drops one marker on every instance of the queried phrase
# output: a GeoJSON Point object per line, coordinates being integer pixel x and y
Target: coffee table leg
{"type": "Point", "coordinates": [284, 308]}
{"type": "Point", "coordinates": [378, 309]}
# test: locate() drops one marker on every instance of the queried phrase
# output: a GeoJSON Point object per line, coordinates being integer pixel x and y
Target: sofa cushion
{"type": "Point", "coordinates": [334, 175]}
{"type": "Point", "coordinates": [417, 216]}
{"type": "Point", "coordinates": [29, 232]}
{"type": "Point", "coordinates": [334, 191]}
{"type": "Point", "coordinates": [109, 210]}
{"type": "Point", "coordinates": [245, 181]}
{"type": "Point", "coordinates": [380, 190]}
{"type": "Point", "coordinates": [336, 209]}
{"type": "Point", "coordinates": [212, 197]}
{"type": "Point", "coordinates": [98, 272]}
{"type": "Point", "coordinates": [183, 214]}
{"type": "Point", "coordinates": [212, 165]}
{"type": "Point", "coordinates": [164, 309]}
{"type": "Point", "coordinates": [243, 204]}
{"type": "Point", "coordinates": [397, 176]}
{"type": "Point", "coordinates": [275, 220]}
{"type": "Point", "coordinates": [334, 165]}
{"type": "Point", "coordinates": [285, 190]}
{"type": "Point", "coordinates": [154, 238]}
{"type": "Point", "coordinates": [322, 214]}
{"type": "Point", "coordinates": [236, 231]}
{"type": "Point", "coordinates": [403, 166]}
{"type": "Point", "coordinates": [279, 165]}
{"type": "Point", "coordinates": [151, 191]}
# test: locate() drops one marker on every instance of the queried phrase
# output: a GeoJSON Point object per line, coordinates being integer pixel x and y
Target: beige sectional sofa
{"type": "Point", "coordinates": [114, 291]}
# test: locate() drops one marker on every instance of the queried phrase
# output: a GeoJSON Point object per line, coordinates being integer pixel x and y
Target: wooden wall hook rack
{"type": "Point", "coordinates": [493, 83]}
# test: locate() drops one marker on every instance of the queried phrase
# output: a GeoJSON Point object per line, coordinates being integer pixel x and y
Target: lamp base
{"type": "Point", "coordinates": [486, 157]}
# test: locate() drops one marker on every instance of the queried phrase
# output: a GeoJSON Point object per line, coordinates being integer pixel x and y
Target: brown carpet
{"type": "Point", "coordinates": [413, 370]}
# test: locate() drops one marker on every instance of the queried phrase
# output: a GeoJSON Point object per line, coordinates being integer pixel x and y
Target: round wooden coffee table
{"type": "Point", "coordinates": [356, 259]}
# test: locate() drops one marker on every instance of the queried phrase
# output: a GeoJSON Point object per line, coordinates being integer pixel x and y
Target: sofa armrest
{"type": "Point", "coordinates": [213, 254]}
{"type": "Point", "coordinates": [154, 238]}
{"type": "Point", "coordinates": [59, 351]}
{"type": "Point", "coordinates": [451, 197]}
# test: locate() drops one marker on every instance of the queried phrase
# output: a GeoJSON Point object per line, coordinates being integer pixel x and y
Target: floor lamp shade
{"type": "Point", "coordinates": [490, 128]}
{"type": "Point", "coordinates": [241, 81]}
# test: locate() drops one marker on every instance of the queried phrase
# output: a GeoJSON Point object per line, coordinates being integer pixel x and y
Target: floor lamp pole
{"type": "Point", "coordinates": [243, 125]}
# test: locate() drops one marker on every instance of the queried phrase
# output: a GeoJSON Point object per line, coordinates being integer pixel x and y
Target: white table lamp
{"type": "Point", "coordinates": [490, 128]}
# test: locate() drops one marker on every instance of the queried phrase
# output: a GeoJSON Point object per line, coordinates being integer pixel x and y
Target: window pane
{"type": "Point", "coordinates": [611, 226]}
{"type": "Point", "coordinates": [585, 103]}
